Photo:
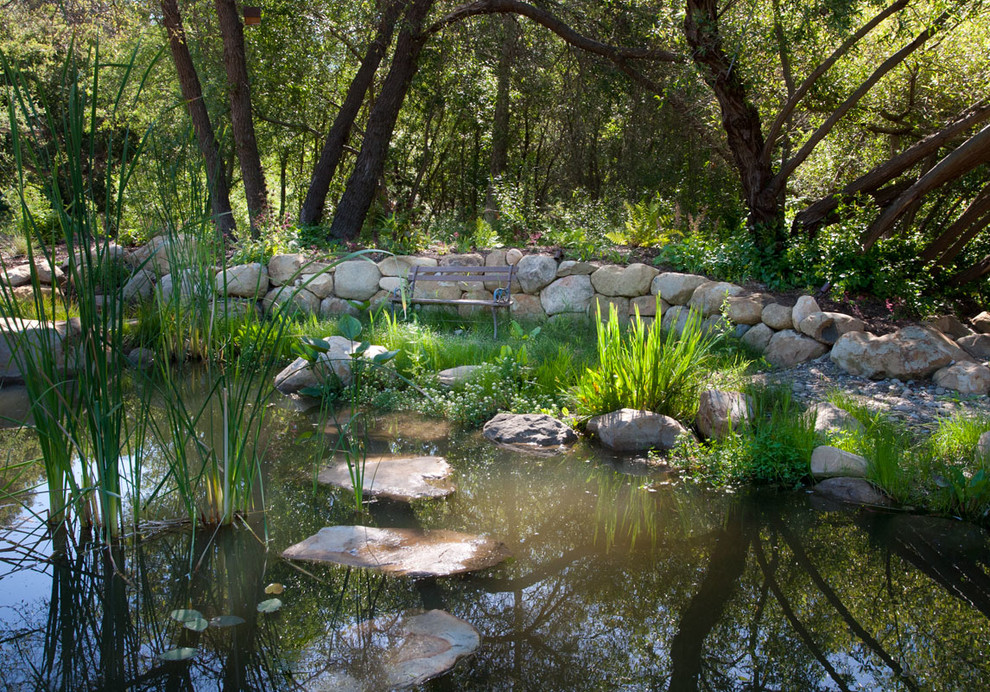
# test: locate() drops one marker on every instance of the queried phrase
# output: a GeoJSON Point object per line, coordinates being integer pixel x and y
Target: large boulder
{"type": "Point", "coordinates": [513, 255]}
{"type": "Point", "coordinates": [535, 271]}
{"type": "Point", "coordinates": [857, 491]}
{"type": "Point", "coordinates": [632, 430]}
{"type": "Point", "coordinates": [19, 337]}
{"type": "Point", "coordinates": [603, 305]}
{"type": "Point", "coordinates": [568, 294]}
{"type": "Point", "coordinates": [911, 353]}
{"type": "Point", "coordinates": [647, 306]}
{"type": "Point", "coordinates": [709, 297]}
{"type": "Point", "coordinates": [676, 288]}
{"type": "Point", "coordinates": [332, 366]}
{"type": "Point", "coordinates": [981, 323]}
{"type": "Point", "coordinates": [949, 325]}
{"type": "Point", "coordinates": [830, 418]}
{"type": "Point", "coordinates": [335, 307]}
{"type": "Point", "coordinates": [964, 377]}
{"type": "Point", "coordinates": [530, 429]}
{"type": "Point", "coordinates": [299, 298]}
{"type": "Point", "coordinates": [804, 306]}
{"type": "Point", "coordinates": [401, 265]}
{"type": "Point", "coordinates": [457, 376]}
{"type": "Point", "coordinates": [403, 479]}
{"type": "Point", "coordinates": [788, 348]}
{"type": "Point", "coordinates": [356, 279]}
{"type": "Point", "coordinates": [527, 307]}
{"type": "Point", "coordinates": [575, 268]}
{"type": "Point", "coordinates": [827, 327]}
{"type": "Point", "coordinates": [758, 337]}
{"type": "Point", "coordinates": [469, 259]}
{"type": "Point", "coordinates": [744, 309]}
{"type": "Point", "coordinates": [777, 316]}
{"type": "Point", "coordinates": [675, 319]}
{"type": "Point", "coordinates": [830, 462]}
{"type": "Point", "coordinates": [284, 269]}
{"type": "Point", "coordinates": [721, 412]}
{"type": "Point", "coordinates": [243, 281]}
{"type": "Point", "coordinates": [139, 287]}
{"type": "Point", "coordinates": [630, 281]}
{"type": "Point", "coordinates": [976, 345]}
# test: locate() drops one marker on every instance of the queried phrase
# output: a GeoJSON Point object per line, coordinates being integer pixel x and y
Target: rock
{"type": "Point", "coordinates": [142, 358]}
{"type": "Point", "coordinates": [17, 276]}
{"type": "Point", "coordinates": [675, 319]}
{"type": "Point", "coordinates": [391, 283]}
{"type": "Point", "coordinates": [474, 294]}
{"type": "Point", "coordinates": [676, 288]}
{"type": "Point", "coordinates": [983, 445]}
{"type": "Point", "coordinates": [470, 259]}
{"type": "Point", "coordinates": [758, 337]}
{"type": "Point", "coordinates": [830, 418]}
{"type": "Point", "coordinates": [630, 281]}
{"type": "Point", "coordinates": [455, 377]}
{"type": "Point", "coordinates": [334, 366]}
{"type": "Point", "coordinates": [569, 294]}
{"type": "Point", "coordinates": [527, 307]}
{"type": "Point", "coordinates": [857, 491]}
{"type": "Point", "coordinates": [243, 281]}
{"type": "Point", "coordinates": [720, 412]}
{"type": "Point", "coordinates": [709, 297]}
{"type": "Point", "coordinates": [139, 287]}
{"type": "Point", "coordinates": [300, 298]}
{"type": "Point", "coordinates": [602, 305]}
{"type": "Point", "coordinates": [572, 268]}
{"type": "Point", "coordinates": [533, 429]}
{"type": "Point", "coordinates": [777, 316]}
{"type": "Point", "coordinates": [744, 309]}
{"type": "Point", "coordinates": [100, 252]}
{"type": "Point", "coordinates": [804, 306]}
{"type": "Point", "coordinates": [284, 269]}
{"type": "Point", "coordinates": [403, 479]}
{"type": "Point", "coordinates": [333, 307]}
{"type": "Point", "coordinates": [495, 258]}
{"type": "Point", "coordinates": [18, 336]}
{"type": "Point", "coordinates": [187, 282]}
{"type": "Point", "coordinates": [320, 285]}
{"type": "Point", "coordinates": [388, 652]}
{"type": "Point", "coordinates": [981, 322]}
{"type": "Point", "coordinates": [631, 430]}
{"type": "Point", "coordinates": [15, 405]}
{"type": "Point", "coordinates": [948, 325]}
{"type": "Point", "coordinates": [535, 271]}
{"type": "Point", "coordinates": [161, 252]}
{"type": "Point", "coordinates": [788, 348]}
{"type": "Point", "coordinates": [829, 462]}
{"type": "Point", "coordinates": [443, 290]}
{"type": "Point", "coordinates": [965, 378]}
{"type": "Point", "coordinates": [236, 308]}
{"type": "Point", "coordinates": [647, 306]}
{"type": "Point", "coordinates": [356, 279]}
{"type": "Point", "coordinates": [716, 324]}
{"type": "Point", "coordinates": [513, 255]}
{"type": "Point", "coordinates": [976, 345]}
{"type": "Point", "coordinates": [911, 353]}
{"type": "Point", "coordinates": [400, 266]}
{"type": "Point", "coordinates": [827, 327]}
{"type": "Point", "coordinates": [400, 552]}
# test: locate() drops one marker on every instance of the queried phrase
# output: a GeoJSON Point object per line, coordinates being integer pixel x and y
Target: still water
{"type": "Point", "coordinates": [620, 578]}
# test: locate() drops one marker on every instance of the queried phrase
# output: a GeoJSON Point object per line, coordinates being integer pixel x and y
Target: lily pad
{"type": "Point", "coordinates": [403, 552]}
{"type": "Point", "coordinates": [269, 606]}
{"type": "Point", "coordinates": [185, 615]}
{"type": "Point", "coordinates": [226, 621]}
{"type": "Point", "coordinates": [196, 624]}
{"type": "Point", "coordinates": [183, 653]}
{"type": "Point", "coordinates": [274, 589]}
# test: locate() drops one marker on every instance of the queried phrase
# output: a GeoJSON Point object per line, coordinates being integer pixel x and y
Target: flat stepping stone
{"type": "Point", "coordinates": [400, 552]}
{"type": "Point", "coordinates": [529, 429]}
{"type": "Point", "coordinates": [452, 377]}
{"type": "Point", "coordinates": [398, 478]}
{"type": "Point", "coordinates": [396, 652]}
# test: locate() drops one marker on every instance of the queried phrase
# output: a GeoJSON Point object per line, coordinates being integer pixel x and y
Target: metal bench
{"type": "Point", "coordinates": [501, 296]}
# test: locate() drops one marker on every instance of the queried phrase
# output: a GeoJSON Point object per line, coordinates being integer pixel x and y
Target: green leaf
{"type": "Point", "coordinates": [314, 392]}
{"type": "Point", "coordinates": [384, 357]}
{"type": "Point", "coordinates": [183, 653]}
{"type": "Point", "coordinates": [226, 621]}
{"type": "Point", "coordinates": [269, 606]}
{"type": "Point", "coordinates": [196, 625]}
{"type": "Point", "coordinates": [185, 615]}
{"type": "Point", "coordinates": [318, 345]}
{"type": "Point", "coordinates": [350, 327]}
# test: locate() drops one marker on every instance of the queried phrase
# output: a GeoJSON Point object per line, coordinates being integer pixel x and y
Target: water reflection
{"type": "Point", "coordinates": [617, 581]}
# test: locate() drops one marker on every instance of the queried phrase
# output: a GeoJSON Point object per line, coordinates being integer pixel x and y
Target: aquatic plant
{"type": "Point", "coordinates": [646, 368]}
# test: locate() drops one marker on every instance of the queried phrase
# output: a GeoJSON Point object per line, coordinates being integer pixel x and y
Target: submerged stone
{"type": "Point", "coordinates": [530, 429]}
{"type": "Point", "coordinates": [395, 652]}
{"type": "Point", "coordinates": [400, 552]}
{"type": "Point", "coordinates": [397, 478]}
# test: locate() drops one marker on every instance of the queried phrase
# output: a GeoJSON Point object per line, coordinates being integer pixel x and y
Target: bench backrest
{"type": "Point", "coordinates": [503, 275]}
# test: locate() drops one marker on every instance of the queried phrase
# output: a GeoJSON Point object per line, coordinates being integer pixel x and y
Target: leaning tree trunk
{"type": "Point", "coordinates": [192, 92]}
{"type": "Point", "coordinates": [370, 164]}
{"type": "Point", "coordinates": [241, 120]}
{"type": "Point", "coordinates": [740, 120]}
{"type": "Point", "coordinates": [333, 147]}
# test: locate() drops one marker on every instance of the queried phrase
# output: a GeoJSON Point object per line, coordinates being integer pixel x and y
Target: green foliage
{"type": "Point", "coordinates": [647, 368]}
{"type": "Point", "coordinates": [649, 222]}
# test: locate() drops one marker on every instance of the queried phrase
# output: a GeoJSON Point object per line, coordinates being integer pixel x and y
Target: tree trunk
{"type": "Point", "coordinates": [973, 152]}
{"type": "Point", "coordinates": [333, 148]}
{"type": "Point", "coordinates": [361, 186]}
{"type": "Point", "coordinates": [192, 92]}
{"type": "Point", "coordinates": [740, 120]}
{"type": "Point", "coordinates": [500, 121]}
{"type": "Point", "coordinates": [241, 120]}
{"type": "Point", "coordinates": [964, 229]}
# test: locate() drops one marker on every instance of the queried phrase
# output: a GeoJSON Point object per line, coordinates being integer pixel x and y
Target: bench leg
{"type": "Point", "coordinates": [495, 320]}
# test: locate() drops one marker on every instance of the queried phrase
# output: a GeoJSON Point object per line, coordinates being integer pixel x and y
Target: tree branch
{"type": "Point", "coordinates": [801, 91]}
{"type": "Point", "coordinates": [554, 24]}
{"type": "Point", "coordinates": [890, 63]}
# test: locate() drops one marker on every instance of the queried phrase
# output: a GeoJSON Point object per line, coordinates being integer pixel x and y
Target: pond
{"type": "Point", "coordinates": [620, 578]}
